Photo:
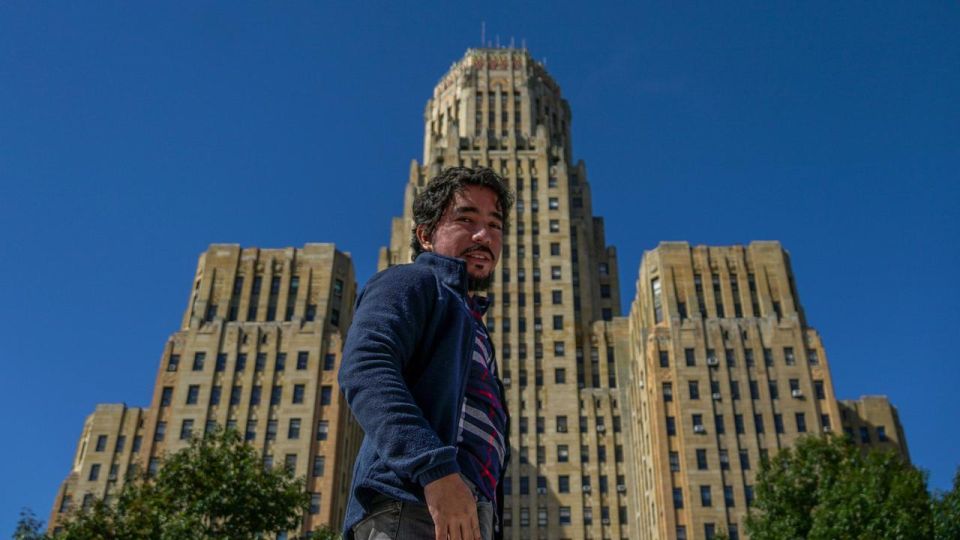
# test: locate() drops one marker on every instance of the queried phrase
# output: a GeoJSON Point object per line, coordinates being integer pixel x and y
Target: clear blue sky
{"type": "Point", "coordinates": [132, 135]}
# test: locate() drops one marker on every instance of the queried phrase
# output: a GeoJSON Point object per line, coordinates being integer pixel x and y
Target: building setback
{"type": "Point", "coordinates": [258, 351]}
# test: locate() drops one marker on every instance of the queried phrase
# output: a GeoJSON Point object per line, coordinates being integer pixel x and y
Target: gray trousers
{"type": "Point", "coordinates": [390, 519]}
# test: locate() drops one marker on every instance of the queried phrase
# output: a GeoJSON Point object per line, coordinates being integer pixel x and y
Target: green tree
{"type": "Point", "coordinates": [825, 488]}
{"type": "Point", "coordinates": [217, 488]}
{"type": "Point", "coordinates": [28, 526]}
{"type": "Point", "coordinates": [946, 512]}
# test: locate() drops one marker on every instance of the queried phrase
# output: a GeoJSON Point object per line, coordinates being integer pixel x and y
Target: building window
{"type": "Point", "coordinates": [557, 297]}
{"type": "Point", "coordinates": [754, 390]}
{"type": "Point", "coordinates": [738, 423]}
{"type": "Point", "coordinates": [748, 494]}
{"type": "Point", "coordinates": [667, 391]}
{"type": "Point", "coordinates": [778, 423]}
{"type": "Point", "coordinates": [198, 361]}
{"type": "Point", "coordinates": [323, 427]}
{"type": "Point", "coordinates": [251, 432]}
{"type": "Point", "coordinates": [221, 363]}
{"type": "Point", "coordinates": [101, 443]}
{"type": "Point", "coordinates": [271, 430]}
{"type": "Point", "coordinates": [690, 357]}
{"type": "Point", "coordinates": [329, 360]}
{"type": "Point", "coordinates": [276, 393]}
{"type": "Point", "coordinates": [564, 515]}
{"type": "Point", "coordinates": [280, 363]}
{"type": "Point", "coordinates": [728, 496]}
{"type": "Point", "coordinates": [657, 301]}
{"type": "Point", "coordinates": [671, 426]}
{"type": "Point", "coordinates": [173, 362]}
{"type": "Point", "coordinates": [302, 358]}
{"type": "Point", "coordinates": [705, 497]}
{"type": "Point", "coordinates": [326, 395]}
{"type": "Point", "coordinates": [193, 393]}
{"type": "Point", "coordinates": [94, 472]}
{"type": "Point", "coordinates": [758, 423]}
{"type": "Point", "coordinates": [748, 357]}
{"type": "Point", "coordinates": [160, 432]}
{"type": "Point", "coordinates": [812, 357]}
{"type": "Point", "coordinates": [293, 429]}
{"type": "Point", "coordinates": [241, 362]}
{"type": "Point", "coordinates": [744, 460]}
{"type": "Point", "coordinates": [298, 390]}
{"type": "Point", "coordinates": [555, 272]}
{"type": "Point", "coordinates": [818, 390]}
{"type": "Point", "coordinates": [255, 395]}
{"type": "Point", "coordinates": [319, 465]}
{"type": "Point", "coordinates": [788, 356]}
{"type": "Point", "coordinates": [558, 348]}
{"type": "Point", "coordinates": [718, 422]}
{"type": "Point", "coordinates": [881, 434]}
{"type": "Point", "coordinates": [774, 391]}
{"type": "Point", "coordinates": [290, 462]}
{"type": "Point", "coordinates": [559, 375]}
{"type": "Point", "coordinates": [678, 498]}
{"type": "Point", "coordinates": [864, 435]}
{"type": "Point", "coordinates": [664, 359]}
{"type": "Point", "coordinates": [314, 502]}
{"type": "Point", "coordinates": [186, 429]}
{"type": "Point", "coordinates": [335, 317]}
{"type": "Point", "coordinates": [694, 388]}
{"type": "Point", "coordinates": [261, 362]}
{"type": "Point", "coordinates": [553, 203]}
{"type": "Point", "coordinates": [121, 441]}
{"type": "Point", "coordinates": [563, 453]}
{"type": "Point", "coordinates": [767, 357]}
{"type": "Point", "coordinates": [166, 395]}
{"type": "Point", "coordinates": [674, 462]}
{"type": "Point", "coordinates": [137, 441]}
{"type": "Point", "coordinates": [701, 459]}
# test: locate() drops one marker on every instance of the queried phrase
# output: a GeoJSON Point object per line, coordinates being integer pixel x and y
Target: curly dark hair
{"type": "Point", "coordinates": [429, 205]}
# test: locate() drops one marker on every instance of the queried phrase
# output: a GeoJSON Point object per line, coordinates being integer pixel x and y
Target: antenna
{"type": "Point", "coordinates": [523, 43]}
{"type": "Point", "coordinates": [483, 33]}
{"type": "Point", "coordinates": [512, 46]}
{"type": "Point", "coordinates": [498, 41]}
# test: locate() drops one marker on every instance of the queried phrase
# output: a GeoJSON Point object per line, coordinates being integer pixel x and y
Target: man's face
{"type": "Point", "coordinates": [471, 229]}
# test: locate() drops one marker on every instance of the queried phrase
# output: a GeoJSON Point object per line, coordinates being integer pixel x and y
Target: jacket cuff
{"type": "Point", "coordinates": [438, 472]}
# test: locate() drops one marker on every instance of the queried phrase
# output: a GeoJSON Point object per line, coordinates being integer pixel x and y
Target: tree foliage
{"type": "Point", "coordinates": [946, 512]}
{"type": "Point", "coordinates": [28, 526]}
{"type": "Point", "coordinates": [217, 488]}
{"type": "Point", "coordinates": [827, 489]}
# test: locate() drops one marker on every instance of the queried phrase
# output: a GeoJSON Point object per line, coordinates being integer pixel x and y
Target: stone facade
{"type": "Point", "coordinates": [872, 422]}
{"type": "Point", "coordinates": [555, 293]}
{"type": "Point", "coordinates": [258, 351]}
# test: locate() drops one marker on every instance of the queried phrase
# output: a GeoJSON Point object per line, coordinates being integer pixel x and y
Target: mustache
{"type": "Point", "coordinates": [478, 247]}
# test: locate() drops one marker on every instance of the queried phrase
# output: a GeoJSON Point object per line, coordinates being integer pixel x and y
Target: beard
{"type": "Point", "coordinates": [475, 284]}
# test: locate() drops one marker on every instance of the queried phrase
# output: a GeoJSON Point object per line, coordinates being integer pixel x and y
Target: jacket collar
{"type": "Point", "coordinates": [452, 271]}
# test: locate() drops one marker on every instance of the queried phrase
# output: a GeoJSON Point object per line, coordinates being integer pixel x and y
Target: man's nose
{"type": "Point", "coordinates": [483, 235]}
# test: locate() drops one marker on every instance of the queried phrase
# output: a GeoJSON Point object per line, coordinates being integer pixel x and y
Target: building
{"type": "Point", "coordinates": [643, 427]}
{"type": "Point", "coordinates": [258, 351]}
{"type": "Point", "coordinates": [555, 293]}
{"type": "Point", "coordinates": [872, 422]}
{"type": "Point", "coordinates": [725, 372]}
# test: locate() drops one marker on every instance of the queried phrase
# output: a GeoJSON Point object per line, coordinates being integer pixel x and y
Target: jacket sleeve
{"type": "Point", "coordinates": [388, 323]}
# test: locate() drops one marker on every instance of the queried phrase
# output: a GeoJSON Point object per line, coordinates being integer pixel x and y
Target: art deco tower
{"type": "Point", "coordinates": [257, 351]}
{"type": "Point", "coordinates": [726, 373]}
{"type": "Point", "coordinates": [554, 294]}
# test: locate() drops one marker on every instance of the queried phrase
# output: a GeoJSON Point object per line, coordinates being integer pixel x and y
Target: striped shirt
{"type": "Point", "coordinates": [483, 420]}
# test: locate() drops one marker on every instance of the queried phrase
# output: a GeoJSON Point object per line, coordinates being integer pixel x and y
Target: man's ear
{"type": "Point", "coordinates": [422, 237]}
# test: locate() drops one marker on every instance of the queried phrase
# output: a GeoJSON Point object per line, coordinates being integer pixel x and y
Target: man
{"type": "Point", "coordinates": [420, 375]}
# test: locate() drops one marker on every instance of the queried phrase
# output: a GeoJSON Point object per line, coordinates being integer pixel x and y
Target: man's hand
{"type": "Point", "coordinates": [453, 509]}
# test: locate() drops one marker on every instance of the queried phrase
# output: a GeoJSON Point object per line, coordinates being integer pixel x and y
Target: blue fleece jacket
{"type": "Point", "coordinates": [404, 372]}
